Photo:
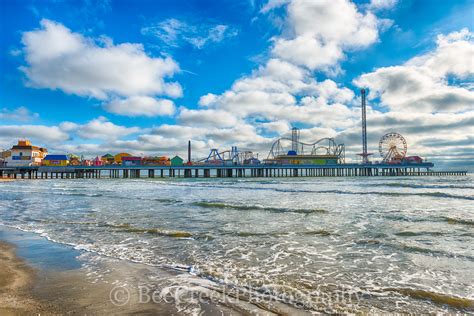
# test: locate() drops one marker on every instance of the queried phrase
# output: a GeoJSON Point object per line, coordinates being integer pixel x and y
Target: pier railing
{"type": "Point", "coordinates": [226, 171]}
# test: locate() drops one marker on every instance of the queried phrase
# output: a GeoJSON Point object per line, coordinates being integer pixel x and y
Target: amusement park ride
{"type": "Point", "coordinates": [325, 151]}
{"type": "Point", "coordinates": [392, 148]}
{"type": "Point", "coordinates": [229, 157]}
{"type": "Point", "coordinates": [318, 152]}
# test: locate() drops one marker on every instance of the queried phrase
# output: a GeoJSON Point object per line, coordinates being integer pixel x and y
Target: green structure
{"type": "Point", "coordinates": [108, 158]}
{"type": "Point", "coordinates": [307, 159]}
{"type": "Point", "coordinates": [177, 161]}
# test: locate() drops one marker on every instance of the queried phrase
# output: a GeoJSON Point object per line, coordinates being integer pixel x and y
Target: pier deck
{"type": "Point", "coordinates": [225, 171]}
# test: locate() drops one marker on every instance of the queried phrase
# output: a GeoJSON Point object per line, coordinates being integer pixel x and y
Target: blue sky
{"type": "Point", "coordinates": [145, 76]}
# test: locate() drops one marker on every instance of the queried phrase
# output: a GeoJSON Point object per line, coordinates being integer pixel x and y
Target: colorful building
{"type": "Point", "coordinates": [307, 160]}
{"type": "Point", "coordinates": [118, 157]}
{"type": "Point", "coordinates": [108, 159]}
{"type": "Point", "coordinates": [156, 161]}
{"type": "Point", "coordinates": [131, 161]}
{"type": "Point", "coordinates": [25, 154]}
{"type": "Point", "coordinates": [97, 162]}
{"type": "Point", "coordinates": [74, 160]}
{"type": "Point", "coordinates": [177, 161]}
{"type": "Point", "coordinates": [56, 161]}
{"type": "Point", "coordinates": [413, 160]}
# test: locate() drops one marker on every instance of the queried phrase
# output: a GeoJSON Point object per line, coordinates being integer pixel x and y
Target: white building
{"type": "Point", "coordinates": [24, 154]}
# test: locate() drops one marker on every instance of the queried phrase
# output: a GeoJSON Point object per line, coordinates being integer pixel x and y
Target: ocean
{"type": "Point", "coordinates": [401, 244]}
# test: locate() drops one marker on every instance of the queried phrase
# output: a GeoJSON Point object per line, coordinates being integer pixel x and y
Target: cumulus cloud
{"type": "Point", "coordinates": [422, 83]}
{"type": "Point", "coordinates": [382, 4]}
{"type": "Point", "coordinates": [320, 31]}
{"type": "Point", "coordinates": [21, 114]}
{"type": "Point", "coordinates": [58, 58]}
{"type": "Point", "coordinates": [268, 94]}
{"type": "Point", "coordinates": [207, 118]}
{"type": "Point", "coordinates": [140, 106]}
{"type": "Point", "coordinates": [174, 32]}
{"type": "Point", "coordinates": [40, 133]}
{"type": "Point", "coordinates": [99, 128]}
{"type": "Point", "coordinates": [428, 98]}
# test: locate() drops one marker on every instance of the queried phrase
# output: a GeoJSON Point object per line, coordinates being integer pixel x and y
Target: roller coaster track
{"type": "Point", "coordinates": [316, 148]}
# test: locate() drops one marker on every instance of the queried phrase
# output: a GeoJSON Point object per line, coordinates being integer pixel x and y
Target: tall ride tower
{"type": "Point", "coordinates": [295, 138]}
{"type": "Point", "coordinates": [364, 154]}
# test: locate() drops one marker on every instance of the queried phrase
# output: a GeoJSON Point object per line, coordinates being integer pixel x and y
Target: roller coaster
{"type": "Point", "coordinates": [321, 147]}
{"type": "Point", "coordinates": [233, 156]}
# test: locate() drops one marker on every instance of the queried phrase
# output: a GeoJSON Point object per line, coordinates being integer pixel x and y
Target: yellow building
{"type": "Point", "coordinates": [118, 157]}
{"type": "Point", "coordinates": [56, 161]}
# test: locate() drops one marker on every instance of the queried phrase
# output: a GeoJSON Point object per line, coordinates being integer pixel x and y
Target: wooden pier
{"type": "Point", "coordinates": [225, 171]}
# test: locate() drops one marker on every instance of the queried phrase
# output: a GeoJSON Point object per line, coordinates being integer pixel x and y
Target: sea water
{"type": "Point", "coordinates": [401, 244]}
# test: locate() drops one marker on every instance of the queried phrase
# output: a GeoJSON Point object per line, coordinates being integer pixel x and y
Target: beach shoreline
{"type": "Point", "coordinates": [27, 288]}
{"type": "Point", "coordinates": [97, 287]}
{"type": "Point", "coordinates": [16, 277]}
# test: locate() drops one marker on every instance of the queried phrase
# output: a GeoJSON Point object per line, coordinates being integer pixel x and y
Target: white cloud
{"type": "Point", "coordinates": [382, 4]}
{"type": "Point", "coordinates": [39, 133]}
{"type": "Point", "coordinates": [21, 114]}
{"type": "Point", "coordinates": [140, 106]}
{"type": "Point", "coordinates": [272, 4]}
{"type": "Point", "coordinates": [431, 110]}
{"type": "Point", "coordinates": [174, 32]}
{"type": "Point", "coordinates": [99, 128]}
{"type": "Point", "coordinates": [320, 32]}
{"type": "Point", "coordinates": [421, 84]}
{"type": "Point", "coordinates": [278, 127]}
{"type": "Point", "coordinates": [206, 118]}
{"type": "Point", "coordinates": [58, 58]}
{"type": "Point", "coordinates": [207, 99]}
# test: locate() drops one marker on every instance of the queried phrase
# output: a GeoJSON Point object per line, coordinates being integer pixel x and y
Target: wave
{"type": "Point", "coordinates": [279, 234]}
{"type": "Point", "coordinates": [452, 220]}
{"type": "Point", "coordinates": [413, 249]}
{"type": "Point", "coordinates": [125, 227]}
{"type": "Point", "coordinates": [422, 186]}
{"type": "Point", "coordinates": [412, 233]}
{"type": "Point", "coordinates": [241, 207]}
{"type": "Point", "coordinates": [438, 298]}
{"type": "Point", "coordinates": [401, 194]}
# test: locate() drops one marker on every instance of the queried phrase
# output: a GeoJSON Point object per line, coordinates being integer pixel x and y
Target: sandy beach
{"type": "Point", "coordinates": [16, 278]}
{"type": "Point", "coordinates": [51, 284]}
{"type": "Point", "coordinates": [25, 290]}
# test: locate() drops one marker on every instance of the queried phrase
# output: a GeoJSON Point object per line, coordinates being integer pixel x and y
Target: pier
{"type": "Point", "coordinates": [224, 171]}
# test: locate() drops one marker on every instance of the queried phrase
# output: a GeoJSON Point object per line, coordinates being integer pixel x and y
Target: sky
{"type": "Point", "coordinates": [144, 77]}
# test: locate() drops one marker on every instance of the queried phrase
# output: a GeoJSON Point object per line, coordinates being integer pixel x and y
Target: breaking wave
{"type": "Point", "coordinates": [438, 298]}
{"type": "Point", "coordinates": [241, 207]}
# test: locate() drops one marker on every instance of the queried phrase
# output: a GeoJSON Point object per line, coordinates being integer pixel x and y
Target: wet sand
{"type": "Point", "coordinates": [25, 290]}
{"type": "Point", "coordinates": [16, 278]}
{"type": "Point", "coordinates": [41, 277]}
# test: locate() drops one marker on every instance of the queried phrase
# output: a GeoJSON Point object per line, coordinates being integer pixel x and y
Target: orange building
{"type": "Point", "coordinates": [118, 157]}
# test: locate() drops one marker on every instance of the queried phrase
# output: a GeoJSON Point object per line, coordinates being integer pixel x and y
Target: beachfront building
{"type": "Point", "coordinates": [118, 157]}
{"type": "Point", "coordinates": [293, 159]}
{"type": "Point", "coordinates": [108, 159]}
{"type": "Point", "coordinates": [3, 157]}
{"type": "Point", "coordinates": [177, 161]}
{"type": "Point", "coordinates": [97, 162]}
{"type": "Point", "coordinates": [74, 160]}
{"type": "Point", "coordinates": [24, 154]}
{"type": "Point", "coordinates": [156, 161]}
{"type": "Point", "coordinates": [131, 161]}
{"type": "Point", "coordinates": [56, 161]}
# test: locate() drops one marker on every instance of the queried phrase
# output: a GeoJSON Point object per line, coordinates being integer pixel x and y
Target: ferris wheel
{"type": "Point", "coordinates": [392, 146]}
